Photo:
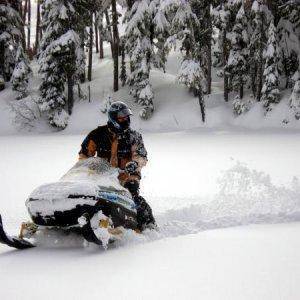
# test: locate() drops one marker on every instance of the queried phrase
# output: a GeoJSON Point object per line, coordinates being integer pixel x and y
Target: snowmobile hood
{"type": "Point", "coordinates": [84, 184]}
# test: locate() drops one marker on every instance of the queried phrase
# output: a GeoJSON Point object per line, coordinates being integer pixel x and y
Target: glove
{"type": "Point", "coordinates": [131, 167]}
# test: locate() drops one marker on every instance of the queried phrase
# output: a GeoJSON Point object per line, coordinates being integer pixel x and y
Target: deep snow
{"type": "Point", "coordinates": [193, 182]}
{"type": "Point", "coordinates": [228, 172]}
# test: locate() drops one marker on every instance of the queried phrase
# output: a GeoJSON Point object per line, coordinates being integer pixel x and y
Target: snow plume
{"type": "Point", "coordinates": [245, 197]}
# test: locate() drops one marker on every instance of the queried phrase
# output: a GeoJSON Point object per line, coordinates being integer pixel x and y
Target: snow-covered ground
{"type": "Point", "coordinates": [195, 181]}
{"type": "Point", "coordinates": [200, 180]}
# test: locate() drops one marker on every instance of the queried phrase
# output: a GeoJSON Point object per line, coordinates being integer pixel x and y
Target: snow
{"type": "Point", "coordinates": [208, 190]}
{"type": "Point", "coordinates": [205, 183]}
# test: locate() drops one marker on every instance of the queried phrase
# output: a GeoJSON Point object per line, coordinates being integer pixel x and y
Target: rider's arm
{"type": "Point", "coordinates": [139, 152]}
{"type": "Point", "coordinates": [88, 147]}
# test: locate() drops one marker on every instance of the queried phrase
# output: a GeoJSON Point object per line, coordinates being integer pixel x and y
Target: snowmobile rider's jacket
{"type": "Point", "coordinates": [116, 149]}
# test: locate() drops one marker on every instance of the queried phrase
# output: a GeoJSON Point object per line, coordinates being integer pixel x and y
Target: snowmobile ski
{"type": "Point", "coordinates": [13, 242]}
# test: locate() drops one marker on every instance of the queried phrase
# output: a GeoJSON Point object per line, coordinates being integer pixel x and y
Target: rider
{"type": "Point", "coordinates": [123, 148]}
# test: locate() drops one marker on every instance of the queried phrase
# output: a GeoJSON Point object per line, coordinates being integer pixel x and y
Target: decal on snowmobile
{"type": "Point", "coordinates": [117, 198]}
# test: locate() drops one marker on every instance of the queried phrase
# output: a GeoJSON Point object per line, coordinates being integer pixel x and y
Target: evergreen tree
{"type": "Point", "coordinates": [162, 27]}
{"type": "Point", "coordinates": [289, 39]}
{"type": "Point", "coordinates": [60, 57]}
{"type": "Point", "coordinates": [139, 47]}
{"type": "Point", "coordinates": [258, 40]}
{"type": "Point", "coordinates": [10, 37]}
{"type": "Point", "coordinates": [237, 62]}
{"type": "Point", "coordinates": [270, 90]}
{"type": "Point", "coordinates": [223, 19]}
{"type": "Point", "coordinates": [203, 36]}
{"type": "Point", "coordinates": [295, 97]}
{"type": "Point", "coordinates": [20, 76]}
{"type": "Point", "coordinates": [184, 25]}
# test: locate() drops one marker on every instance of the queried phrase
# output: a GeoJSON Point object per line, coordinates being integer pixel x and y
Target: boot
{"type": "Point", "coordinates": [145, 217]}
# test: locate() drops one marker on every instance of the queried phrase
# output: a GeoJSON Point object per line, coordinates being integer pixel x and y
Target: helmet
{"type": "Point", "coordinates": [116, 112]}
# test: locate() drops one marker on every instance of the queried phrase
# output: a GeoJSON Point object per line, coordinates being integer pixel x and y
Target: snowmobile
{"type": "Point", "coordinates": [88, 200]}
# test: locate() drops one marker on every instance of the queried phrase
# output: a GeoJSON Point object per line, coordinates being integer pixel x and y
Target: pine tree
{"type": "Point", "coordinates": [258, 40]}
{"type": "Point", "coordinates": [237, 65]}
{"type": "Point", "coordinates": [10, 37]}
{"type": "Point", "coordinates": [185, 25]}
{"type": "Point", "coordinates": [161, 31]}
{"type": "Point", "coordinates": [295, 96]}
{"type": "Point", "coordinates": [139, 33]}
{"type": "Point", "coordinates": [20, 76]}
{"type": "Point", "coordinates": [270, 90]}
{"type": "Point", "coordinates": [203, 36]}
{"type": "Point", "coordinates": [289, 40]}
{"type": "Point", "coordinates": [60, 57]}
{"type": "Point", "coordinates": [224, 18]}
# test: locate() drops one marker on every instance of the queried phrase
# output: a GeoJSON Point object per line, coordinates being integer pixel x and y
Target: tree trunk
{"type": "Point", "coordinates": [90, 50]}
{"type": "Point", "coordinates": [259, 76]}
{"type": "Point", "coordinates": [130, 3]}
{"type": "Point", "coordinates": [274, 5]}
{"type": "Point", "coordinates": [123, 75]}
{"type": "Point", "coordinates": [28, 25]}
{"type": "Point", "coordinates": [225, 56]}
{"type": "Point", "coordinates": [202, 105]}
{"type": "Point", "coordinates": [23, 27]}
{"type": "Point", "coordinates": [241, 88]}
{"type": "Point", "coordinates": [253, 71]}
{"type": "Point", "coordinates": [70, 83]}
{"type": "Point", "coordinates": [260, 64]}
{"type": "Point", "coordinates": [209, 59]}
{"type": "Point", "coordinates": [115, 45]}
{"type": "Point", "coordinates": [38, 22]}
{"type": "Point", "coordinates": [96, 36]}
{"type": "Point", "coordinates": [82, 76]}
{"type": "Point", "coordinates": [101, 52]}
{"type": "Point", "coordinates": [109, 31]}
{"type": "Point", "coordinates": [2, 50]}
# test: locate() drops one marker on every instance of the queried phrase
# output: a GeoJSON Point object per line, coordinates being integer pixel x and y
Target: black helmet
{"type": "Point", "coordinates": [119, 110]}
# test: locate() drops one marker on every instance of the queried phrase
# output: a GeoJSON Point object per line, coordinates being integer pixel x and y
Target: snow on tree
{"type": "Point", "coordinates": [25, 113]}
{"type": "Point", "coordinates": [162, 27]}
{"type": "Point", "coordinates": [203, 36]}
{"type": "Point", "coordinates": [289, 40]}
{"type": "Point", "coordinates": [240, 106]}
{"type": "Point", "coordinates": [190, 74]}
{"type": "Point", "coordinates": [224, 16]}
{"type": "Point", "coordinates": [139, 47]}
{"type": "Point", "coordinates": [20, 76]}
{"type": "Point", "coordinates": [295, 96]}
{"type": "Point", "coordinates": [261, 16]}
{"type": "Point", "coordinates": [10, 37]}
{"type": "Point", "coordinates": [184, 27]}
{"type": "Point", "coordinates": [237, 62]}
{"type": "Point", "coordinates": [60, 60]}
{"type": "Point", "coordinates": [270, 90]}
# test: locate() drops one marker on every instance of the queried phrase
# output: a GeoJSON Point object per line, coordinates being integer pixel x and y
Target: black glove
{"type": "Point", "coordinates": [131, 167]}
{"type": "Point", "coordinates": [133, 187]}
